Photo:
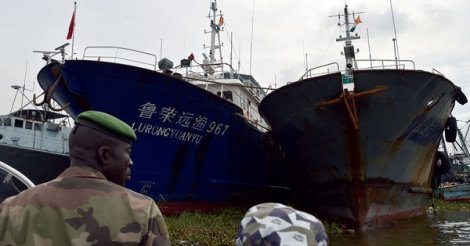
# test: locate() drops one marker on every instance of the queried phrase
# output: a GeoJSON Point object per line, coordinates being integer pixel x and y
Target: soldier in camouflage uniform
{"type": "Point", "coordinates": [87, 204]}
{"type": "Point", "coordinates": [276, 224]}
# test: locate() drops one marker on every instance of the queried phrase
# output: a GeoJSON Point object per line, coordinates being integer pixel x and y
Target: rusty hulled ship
{"type": "Point", "coordinates": [363, 157]}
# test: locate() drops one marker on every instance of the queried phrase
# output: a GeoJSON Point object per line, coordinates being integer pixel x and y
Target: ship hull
{"type": "Point", "coordinates": [454, 192]}
{"type": "Point", "coordinates": [370, 164]}
{"type": "Point", "coordinates": [192, 146]}
{"type": "Point", "coordinates": [38, 166]}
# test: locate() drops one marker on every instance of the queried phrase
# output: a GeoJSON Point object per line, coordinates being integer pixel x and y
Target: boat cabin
{"type": "Point", "coordinates": [36, 129]}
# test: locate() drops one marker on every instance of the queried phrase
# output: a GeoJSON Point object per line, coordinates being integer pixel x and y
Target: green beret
{"type": "Point", "coordinates": [107, 124]}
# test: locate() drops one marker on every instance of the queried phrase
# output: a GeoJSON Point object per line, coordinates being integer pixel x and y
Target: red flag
{"type": "Point", "coordinates": [191, 57]}
{"type": "Point", "coordinates": [71, 26]}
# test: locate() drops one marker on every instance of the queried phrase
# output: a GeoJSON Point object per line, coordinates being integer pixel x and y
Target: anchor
{"type": "Point", "coordinates": [48, 96]}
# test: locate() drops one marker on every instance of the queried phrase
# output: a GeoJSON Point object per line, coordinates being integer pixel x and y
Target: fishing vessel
{"type": "Point", "coordinates": [452, 176]}
{"type": "Point", "coordinates": [34, 141]}
{"type": "Point", "coordinates": [200, 137]}
{"type": "Point", "coordinates": [453, 192]}
{"type": "Point", "coordinates": [361, 142]}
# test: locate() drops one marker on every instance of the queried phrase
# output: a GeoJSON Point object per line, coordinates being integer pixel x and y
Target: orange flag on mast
{"type": "Point", "coordinates": [221, 21]}
{"type": "Point", "coordinates": [357, 21]}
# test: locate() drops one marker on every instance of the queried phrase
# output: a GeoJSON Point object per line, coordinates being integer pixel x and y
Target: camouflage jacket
{"type": "Point", "coordinates": [81, 207]}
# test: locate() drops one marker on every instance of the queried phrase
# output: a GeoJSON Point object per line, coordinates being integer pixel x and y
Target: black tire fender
{"type": "Point", "coordinates": [459, 96]}
{"type": "Point", "coordinates": [450, 130]}
{"type": "Point", "coordinates": [441, 163]}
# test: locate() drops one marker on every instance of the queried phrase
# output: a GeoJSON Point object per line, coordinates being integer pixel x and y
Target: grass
{"type": "Point", "coordinates": [217, 228]}
{"type": "Point", "coordinates": [333, 228]}
{"type": "Point", "coordinates": [220, 228]}
{"type": "Point", "coordinates": [445, 205]}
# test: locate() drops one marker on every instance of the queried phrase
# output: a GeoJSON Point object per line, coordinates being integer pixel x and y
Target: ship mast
{"type": "Point", "coordinates": [349, 53]}
{"type": "Point", "coordinates": [215, 28]}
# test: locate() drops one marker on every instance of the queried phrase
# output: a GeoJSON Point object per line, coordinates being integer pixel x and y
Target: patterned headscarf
{"type": "Point", "coordinates": [277, 224]}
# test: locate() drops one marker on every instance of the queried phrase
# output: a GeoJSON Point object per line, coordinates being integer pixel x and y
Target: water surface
{"type": "Point", "coordinates": [441, 228]}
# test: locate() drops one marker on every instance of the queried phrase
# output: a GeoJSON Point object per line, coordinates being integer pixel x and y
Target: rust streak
{"type": "Point", "coordinates": [350, 113]}
{"type": "Point", "coordinates": [331, 102]}
{"type": "Point", "coordinates": [359, 196]}
{"type": "Point", "coordinates": [356, 166]}
{"type": "Point", "coordinates": [378, 89]}
{"type": "Point", "coordinates": [353, 99]}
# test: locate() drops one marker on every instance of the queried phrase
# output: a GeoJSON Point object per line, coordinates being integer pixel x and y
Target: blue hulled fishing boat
{"type": "Point", "coordinates": [201, 141]}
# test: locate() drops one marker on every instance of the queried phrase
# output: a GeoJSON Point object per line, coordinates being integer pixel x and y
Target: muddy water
{"type": "Point", "coordinates": [440, 228]}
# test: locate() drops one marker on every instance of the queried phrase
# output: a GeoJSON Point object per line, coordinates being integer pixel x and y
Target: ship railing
{"type": "Point", "coordinates": [208, 71]}
{"type": "Point", "coordinates": [372, 64]}
{"type": "Point", "coordinates": [199, 73]}
{"type": "Point", "coordinates": [9, 185]}
{"type": "Point", "coordinates": [12, 172]}
{"type": "Point", "coordinates": [208, 74]}
{"type": "Point", "coordinates": [121, 55]}
{"type": "Point", "coordinates": [385, 64]}
{"type": "Point", "coordinates": [310, 73]}
{"type": "Point", "coordinates": [250, 112]}
{"type": "Point", "coordinates": [435, 71]}
{"type": "Point", "coordinates": [12, 181]}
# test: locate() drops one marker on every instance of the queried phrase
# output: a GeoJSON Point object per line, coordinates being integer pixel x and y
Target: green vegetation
{"type": "Point", "coordinates": [333, 228]}
{"type": "Point", "coordinates": [220, 227]}
{"type": "Point", "coordinates": [445, 205]}
{"type": "Point", "coordinates": [217, 228]}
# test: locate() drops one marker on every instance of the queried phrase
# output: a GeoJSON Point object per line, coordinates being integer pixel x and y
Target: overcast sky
{"type": "Point", "coordinates": [433, 33]}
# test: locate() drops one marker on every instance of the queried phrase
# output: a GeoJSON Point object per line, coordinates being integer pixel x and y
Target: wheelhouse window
{"type": "Point", "coordinates": [38, 126]}
{"type": "Point", "coordinates": [7, 122]}
{"type": "Point", "coordinates": [227, 95]}
{"type": "Point", "coordinates": [243, 102]}
{"type": "Point", "coordinates": [19, 123]}
{"type": "Point", "coordinates": [28, 125]}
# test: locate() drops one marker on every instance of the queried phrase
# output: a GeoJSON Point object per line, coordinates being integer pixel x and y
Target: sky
{"type": "Point", "coordinates": [286, 35]}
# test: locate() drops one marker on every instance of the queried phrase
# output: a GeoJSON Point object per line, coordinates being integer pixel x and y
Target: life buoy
{"type": "Point", "coordinates": [459, 96]}
{"type": "Point", "coordinates": [450, 130]}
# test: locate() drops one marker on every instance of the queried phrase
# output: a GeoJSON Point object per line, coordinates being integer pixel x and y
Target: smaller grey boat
{"type": "Point", "coordinates": [35, 142]}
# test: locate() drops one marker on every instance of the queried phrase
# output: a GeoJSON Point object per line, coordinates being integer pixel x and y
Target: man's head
{"type": "Point", "coordinates": [103, 142]}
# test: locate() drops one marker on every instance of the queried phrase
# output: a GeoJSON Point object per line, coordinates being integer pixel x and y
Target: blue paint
{"type": "Point", "coordinates": [423, 130]}
{"type": "Point", "coordinates": [186, 136]}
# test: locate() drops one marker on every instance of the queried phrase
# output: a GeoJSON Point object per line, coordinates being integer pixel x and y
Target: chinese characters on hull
{"type": "Point", "coordinates": [197, 126]}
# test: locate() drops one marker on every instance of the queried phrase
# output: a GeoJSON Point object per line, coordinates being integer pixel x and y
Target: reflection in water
{"type": "Point", "coordinates": [442, 228]}
{"type": "Point", "coordinates": [454, 227]}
